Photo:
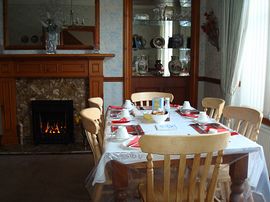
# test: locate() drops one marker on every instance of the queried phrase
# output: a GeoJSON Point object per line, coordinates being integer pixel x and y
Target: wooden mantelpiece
{"type": "Point", "coordinates": [14, 66]}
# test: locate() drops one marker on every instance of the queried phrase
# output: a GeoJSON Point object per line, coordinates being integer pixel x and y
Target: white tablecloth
{"type": "Point", "coordinates": [114, 150]}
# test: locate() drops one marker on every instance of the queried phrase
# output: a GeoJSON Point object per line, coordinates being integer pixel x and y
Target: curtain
{"type": "Point", "coordinates": [233, 34]}
{"type": "Point", "coordinates": [255, 60]}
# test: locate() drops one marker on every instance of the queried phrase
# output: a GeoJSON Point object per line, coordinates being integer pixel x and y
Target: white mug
{"type": "Point", "coordinates": [128, 104]}
{"type": "Point", "coordinates": [186, 105]}
{"type": "Point", "coordinates": [125, 113]}
{"type": "Point", "coordinates": [121, 133]}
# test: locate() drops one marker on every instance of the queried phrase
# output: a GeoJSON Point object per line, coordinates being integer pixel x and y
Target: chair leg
{"type": "Point", "coordinates": [97, 192]}
{"type": "Point", "coordinates": [227, 188]}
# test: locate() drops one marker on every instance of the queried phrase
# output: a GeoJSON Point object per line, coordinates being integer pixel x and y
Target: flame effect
{"type": "Point", "coordinates": [53, 128]}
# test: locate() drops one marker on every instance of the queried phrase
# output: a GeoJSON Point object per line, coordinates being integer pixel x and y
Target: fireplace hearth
{"type": "Point", "coordinates": [52, 121]}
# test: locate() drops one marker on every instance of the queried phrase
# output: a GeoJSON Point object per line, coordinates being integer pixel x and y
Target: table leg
{"type": "Point", "coordinates": [120, 181]}
{"type": "Point", "coordinates": [238, 173]}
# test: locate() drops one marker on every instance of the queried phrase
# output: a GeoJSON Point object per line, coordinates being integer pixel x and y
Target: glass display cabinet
{"type": "Point", "coordinates": [161, 38]}
{"type": "Point", "coordinates": [161, 47]}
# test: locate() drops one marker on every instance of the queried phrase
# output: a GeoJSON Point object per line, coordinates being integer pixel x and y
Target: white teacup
{"type": "Point", "coordinates": [186, 105]}
{"type": "Point", "coordinates": [125, 113]}
{"type": "Point", "coordinates": [202, 117]}
{"type": "Point", "coordinates": [128, 104]}
{"type": "Point", "coordinates": [121, 133]}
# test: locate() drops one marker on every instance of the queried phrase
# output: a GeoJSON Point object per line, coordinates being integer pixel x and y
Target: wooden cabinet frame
{"type": "Point", "coordinates": [195, 33]}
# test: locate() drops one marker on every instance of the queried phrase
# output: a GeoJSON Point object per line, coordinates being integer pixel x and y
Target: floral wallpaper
{"type": "Point", "coordinates": [210, 58]}
{"type": "Point", "coordinates": [111, 34]}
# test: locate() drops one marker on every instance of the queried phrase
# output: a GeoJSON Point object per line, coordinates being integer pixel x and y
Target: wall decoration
{"type": "Point", "coordinates": [210, 28]}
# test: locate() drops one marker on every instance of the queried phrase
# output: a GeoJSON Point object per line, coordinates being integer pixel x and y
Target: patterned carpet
{"type": "Point", "coordinates": [45, 177]}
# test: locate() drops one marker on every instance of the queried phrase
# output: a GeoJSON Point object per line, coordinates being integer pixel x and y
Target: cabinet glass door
{"type": "Point", "coordinates": [162, 35]}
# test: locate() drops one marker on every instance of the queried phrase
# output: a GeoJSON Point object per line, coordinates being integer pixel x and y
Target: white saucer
{"type": "Point", "coordinates": [202, 121]}
{"type": "Point", "coordinates": [187, 108]}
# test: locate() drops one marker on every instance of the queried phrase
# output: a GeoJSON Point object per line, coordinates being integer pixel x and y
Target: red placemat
{"type": "Point", "coordinates": [115, 107]}
{"type": "Point", "coordinates": [132, 129]}
{"type": "Point", "coordinates": [205, 128]}
{"type": "Point", "coordinates": [191, 114]}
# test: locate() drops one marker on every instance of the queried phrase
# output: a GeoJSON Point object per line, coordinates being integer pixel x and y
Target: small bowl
{"type": "Point", "coordinates": [159, 118]}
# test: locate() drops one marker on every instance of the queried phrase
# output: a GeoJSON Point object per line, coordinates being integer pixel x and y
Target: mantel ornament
{"type": "Point", "coordinates": [51, 29]}
{"type": "Point", "coordinates": [210, 28]}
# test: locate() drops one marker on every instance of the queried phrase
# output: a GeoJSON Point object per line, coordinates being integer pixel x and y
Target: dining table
{"type": "Point", "coordinates": [244, 157]}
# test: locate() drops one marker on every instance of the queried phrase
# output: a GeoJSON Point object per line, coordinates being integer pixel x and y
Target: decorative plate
{"type": "Point", "coordinates": [24, 39]}
{"type": "Point", "coordinates": [34, 39]}
{"type": "Point", "coordinates": [158, 42]}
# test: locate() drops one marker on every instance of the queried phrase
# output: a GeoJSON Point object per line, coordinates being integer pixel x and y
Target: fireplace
{"type": "Point", "coordinates": [52, 121]}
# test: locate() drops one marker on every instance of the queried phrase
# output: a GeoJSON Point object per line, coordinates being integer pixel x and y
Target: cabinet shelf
{"type": "Point", "coordinates": [152, 49]}
{"type": "Point", "coordinates": [183, 23]}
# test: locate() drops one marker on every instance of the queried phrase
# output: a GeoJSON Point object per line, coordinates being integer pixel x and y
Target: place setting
{"type": "Point", "coordinates": [187, 110]}
{"type": "Point", "coordinates": [119, 134]}
{"type": "Point", "coordinates": [128, 136]}
{"type": "Point", "coordinates": [123, 116]}
{"type": "Point", "coordinates": [203, 124]}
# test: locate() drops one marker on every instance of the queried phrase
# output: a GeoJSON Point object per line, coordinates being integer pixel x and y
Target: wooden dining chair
{"type": "Point", "coordinates": [182, 183]}
{"type": "Point", "coordinates": [213, 107]}
{"type": "Point", "coordinates": [244, 120]}
{"type": "Point", "coordinates": [96, 102]}
{"type": "Point", "coordinates": [90, 121]}
{"type": "Point", "coordinates": [93, 132]}
{"type": "Point", "coordinates": [145, 98]}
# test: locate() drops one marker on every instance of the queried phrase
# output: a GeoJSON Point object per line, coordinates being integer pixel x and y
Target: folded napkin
{"type": "Point", "coordinates": [122, 120]}
{"type": "Point", "coordinates": [134, 142]}
{"type": "Point", "coordinates": [234, 133]}
{"type": "Point", "coordinates": [207, 128]}
{"type": "Point", "coordinates": [115, 107]}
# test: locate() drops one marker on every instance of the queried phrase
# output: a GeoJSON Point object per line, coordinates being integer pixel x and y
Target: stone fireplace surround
{"type": "Point", "coordinates": [28, 89]}
{"type": "Point", "coordinates": [39, 76]}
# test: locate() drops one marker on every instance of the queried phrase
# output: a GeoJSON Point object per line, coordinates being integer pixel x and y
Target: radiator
{"type": "Point", "coordinates": [264, 140]}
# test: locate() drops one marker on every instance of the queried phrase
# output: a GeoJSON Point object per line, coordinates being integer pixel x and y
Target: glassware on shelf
{"type": "Point", "coordinates": [168, 13]}
{"type": "Point", "coordinates": [156, 13]}
{"type": "Point", "coordinates": [185, 3]}
{"type": "Point", "coordinates": [143, 65]}
{"type": "Point", "coordinates": [175, 66]}
{"type": "Point", "coordinates": [185, 66]}
{"type": "Point", "coordinates": [162, 8]}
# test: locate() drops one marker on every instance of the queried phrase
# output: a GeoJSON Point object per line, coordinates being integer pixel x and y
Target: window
{"type": "Point", "coordinates": [255, 60]}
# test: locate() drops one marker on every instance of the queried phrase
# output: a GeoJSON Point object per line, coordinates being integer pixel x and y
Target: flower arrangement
{"type": "Point", "coordinates": [210, 28]}
{"type": "Point", "coordinates": [50, 25]}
